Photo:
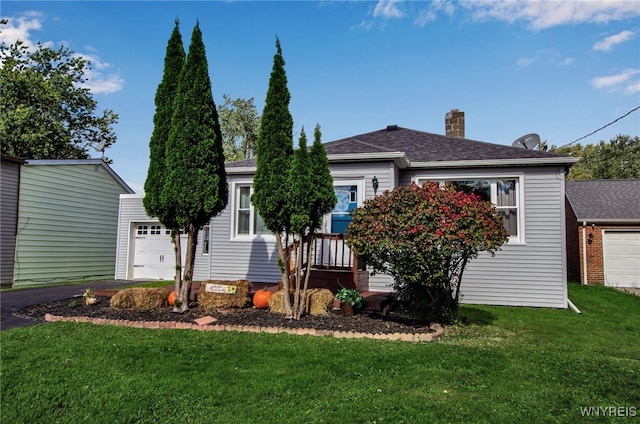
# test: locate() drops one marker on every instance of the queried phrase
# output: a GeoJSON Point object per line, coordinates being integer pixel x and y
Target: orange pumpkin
{"type": "Point", "coordinates": [261, 298]}
{"type": "Point", "coordinates": [172, 298]}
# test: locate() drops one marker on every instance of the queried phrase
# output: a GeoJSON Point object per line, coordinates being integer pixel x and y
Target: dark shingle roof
{"type": "Point", "coordinates": [420, 146]}
{"type": "Point", "coordinates": [604, 199]}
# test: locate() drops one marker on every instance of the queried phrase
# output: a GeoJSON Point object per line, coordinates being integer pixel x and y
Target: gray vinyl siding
{"type": "Point", "coordinates": [131, 212]}
{"type": "Point", "coordinates": [530, 273]}
{"type": "Point", "coordinates": [9, 186]}
{"type": "Point", "coordinates": [232, 258]}
{"type": "Point", "coordinates": [67, 224]}
{"type": "Point", "coordinates": [256, 258]}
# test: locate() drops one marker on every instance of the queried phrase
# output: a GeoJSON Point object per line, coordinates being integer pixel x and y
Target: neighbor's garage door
{"type": "Point", "coordinates": [621, 251]}
{"type": "Point", "coordinates": [153, 253]}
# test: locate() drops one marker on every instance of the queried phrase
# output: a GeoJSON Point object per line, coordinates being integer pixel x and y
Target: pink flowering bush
{"type": "Point", "coordinates": [423, 237]}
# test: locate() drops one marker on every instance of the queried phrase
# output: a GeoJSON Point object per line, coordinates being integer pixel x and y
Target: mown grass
{"type": "Point", "coordinates": [506, 365]}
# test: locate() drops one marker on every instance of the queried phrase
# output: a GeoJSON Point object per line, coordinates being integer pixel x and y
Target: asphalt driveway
{"type": "Point", "coordinates": [13, 300]}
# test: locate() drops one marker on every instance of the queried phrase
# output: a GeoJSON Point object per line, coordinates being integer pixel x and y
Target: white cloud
{"type": "Point", "coordinates": [608, 43]}
{"type": "Point", "coordinates": [567, 61]}
{"type": "Point", "coordinates": [99, 79]}
{"type": "Point", "coordinates": [387, 9]}
{"type": "Point", "coordinates": [526, 61]}
{"type": "Point", "coordinates": [624, 81]}
{"type": "Point", "coordinates": [18, 28]}
{"type": "Point", "coordinates": [550, 57]}
{"type": "Point", "coordinates": [546, 14]}
{"type": "Point", "coordinates": [632, 88]}
{"type": "Point", "coordinates": [430, 14]}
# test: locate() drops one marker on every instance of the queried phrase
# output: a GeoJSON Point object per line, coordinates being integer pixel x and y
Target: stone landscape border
{"type": "Point", "coordinates": [434, 333]}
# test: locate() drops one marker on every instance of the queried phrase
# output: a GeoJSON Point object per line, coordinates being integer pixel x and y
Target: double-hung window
{"type": "Point", "coordinates": [248, 221]}
{"type": "Point", "coordinates": [504, 193]}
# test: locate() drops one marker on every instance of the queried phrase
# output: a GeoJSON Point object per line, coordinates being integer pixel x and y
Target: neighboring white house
{"type": "Point", "coordinates": [527, 186]}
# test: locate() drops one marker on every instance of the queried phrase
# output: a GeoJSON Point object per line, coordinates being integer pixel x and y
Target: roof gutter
{"type": "Point", "coordinates": [496, 162]}
{"type": "Point", "coordinates": [401, 160]}
{"type": "Point", "coordinates": [240, 170]}
{"type": "Point", "coordinates": [611, 220]}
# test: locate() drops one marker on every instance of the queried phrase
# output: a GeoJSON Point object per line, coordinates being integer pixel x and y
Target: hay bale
{"type": "Point", "coordinates": [276, 303]}
{"type": "Point", "coordinates": [140, 298]}
{"type": "Point", "coordinates": [317, 302]}
{"type": "Point", "coordinates": [209, 297]}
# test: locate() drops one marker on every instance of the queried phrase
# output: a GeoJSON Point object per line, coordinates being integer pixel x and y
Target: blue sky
{"type": "Point", "coordinates": [561, 69]}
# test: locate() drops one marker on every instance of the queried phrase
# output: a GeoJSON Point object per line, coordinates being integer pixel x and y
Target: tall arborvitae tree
{"type": "Point", "coordinates": [273, 154]}
{"type": "Point", "coordinates": [195, 189]}
{"type": "Point", "coordinates": [165, 95]}
{"type": "Point", "coordinates": [311, 197]}
{"type": "Point", "coordinates": [300, 202]}
{"type": "Point", "coordinates": [323, 195]}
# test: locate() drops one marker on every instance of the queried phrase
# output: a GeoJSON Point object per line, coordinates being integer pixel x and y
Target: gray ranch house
{"type": "Point", "coordinates": [527, 187]}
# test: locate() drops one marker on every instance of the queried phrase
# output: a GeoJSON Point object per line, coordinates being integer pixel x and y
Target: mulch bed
{"type": "Point", "coordinates": [364, 322]}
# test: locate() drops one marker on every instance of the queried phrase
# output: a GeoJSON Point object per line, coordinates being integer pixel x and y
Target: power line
{"type": "Point", "coordinates": [601, 128]}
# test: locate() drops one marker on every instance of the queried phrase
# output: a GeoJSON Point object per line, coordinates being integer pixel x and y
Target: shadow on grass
{"type": "Point", "coordinates": [471, 315]}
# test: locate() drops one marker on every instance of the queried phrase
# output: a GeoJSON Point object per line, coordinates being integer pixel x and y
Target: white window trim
{"type": "Point", "coordinates": [233, 235]}
{"type": "Point", "coordinates": [205, 236]}
{"type": "Point", "coordinates": [519, 177]}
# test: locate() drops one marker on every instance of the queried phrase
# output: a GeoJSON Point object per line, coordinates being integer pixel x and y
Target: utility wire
{"type": "Point", "coordinates": [601, 128]}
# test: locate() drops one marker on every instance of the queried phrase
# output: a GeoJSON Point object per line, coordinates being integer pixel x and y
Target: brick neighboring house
{"type": "Point", "coordinates": [603, 232]}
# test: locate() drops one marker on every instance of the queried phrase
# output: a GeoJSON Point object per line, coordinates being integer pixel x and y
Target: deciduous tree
{"type": "Point", "coordinates": [423, 237]}
{"type": "Point", "coordinates": [45, 113]}
{"type": "Point", "coordinates": [240, 125]}
{"type": "Point", "coordinates": [619, 158]}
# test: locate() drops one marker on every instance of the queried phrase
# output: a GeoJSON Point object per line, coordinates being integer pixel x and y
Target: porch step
{"type": "Point", "coordinates": [377, 301]}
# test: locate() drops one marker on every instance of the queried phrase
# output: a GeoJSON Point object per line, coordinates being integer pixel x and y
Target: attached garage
{"type": "Point", "coordinates": [144, 250]}
{"type": "Point", "coordinates": [621, 257]}
{"type": "Point", "coordinates": [153, 253]}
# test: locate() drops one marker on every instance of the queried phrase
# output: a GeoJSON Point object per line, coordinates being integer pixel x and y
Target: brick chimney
{"type": "Point", "coordinates": [454, 124]}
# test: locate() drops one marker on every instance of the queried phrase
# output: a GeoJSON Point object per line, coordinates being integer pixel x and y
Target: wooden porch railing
{"type": "Point", "coordinates": [329, 252]}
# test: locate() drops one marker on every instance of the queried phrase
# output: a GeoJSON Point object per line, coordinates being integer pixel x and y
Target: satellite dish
{"type": "Point", "coordinates": [100, 146]}
{"type": "Point", "coordinates": [529, 141]}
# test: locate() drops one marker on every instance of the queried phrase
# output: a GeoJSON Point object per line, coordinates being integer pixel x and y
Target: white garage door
{"type": "Point", "coordinates": [153, 254]}
{"type": "Point", "coordinates": [621, 251]}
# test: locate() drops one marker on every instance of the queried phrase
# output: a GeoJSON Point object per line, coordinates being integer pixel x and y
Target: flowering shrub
{"type": "Point", "coordinates": [423, 237]}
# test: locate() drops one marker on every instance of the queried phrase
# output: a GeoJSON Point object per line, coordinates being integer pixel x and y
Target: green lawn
{"type": "Point", "coordinates": [508, 365]}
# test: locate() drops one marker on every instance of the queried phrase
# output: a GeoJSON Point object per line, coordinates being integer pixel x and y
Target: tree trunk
{"type": "Point", "coordinates": [177, 249]}
{"type": "Point", "coordinates": [187, 279]}
{"type": "Point", "coordinates": [307, 272]}
{"type": "Point", "coordinates": [284, 259]}
{"type": "Point", "coordinates": [299, 297]}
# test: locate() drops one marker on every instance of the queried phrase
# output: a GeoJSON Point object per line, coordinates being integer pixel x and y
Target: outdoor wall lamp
{"type": "Point", "coordinates": [590, 238]}
{"type": "Point", "coordinates": [374, 182]}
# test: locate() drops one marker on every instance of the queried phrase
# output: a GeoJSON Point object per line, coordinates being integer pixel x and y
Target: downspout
{"type": "Point", "coordinates": [584, 252]}
{"type": "Point", "coordinates": [584, 261]}
{"type": "Point", "coordinates": [572, 306]}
